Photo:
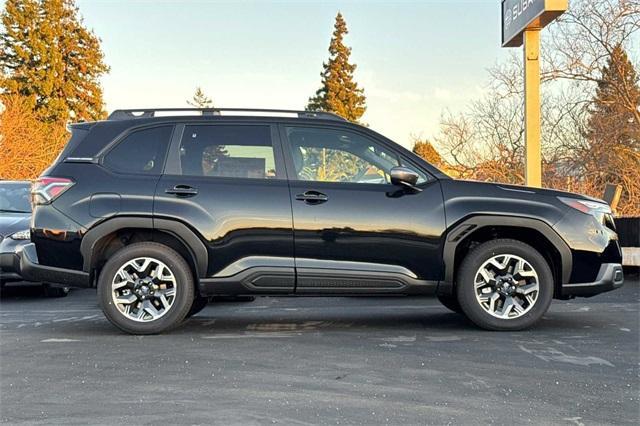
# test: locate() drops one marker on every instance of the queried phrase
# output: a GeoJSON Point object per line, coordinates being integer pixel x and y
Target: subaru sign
{"type": "Point", "coordinates": [519, 15]}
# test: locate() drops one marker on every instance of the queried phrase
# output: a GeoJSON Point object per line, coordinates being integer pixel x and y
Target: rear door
{"type": "Point", "coordinates": [226, 181]}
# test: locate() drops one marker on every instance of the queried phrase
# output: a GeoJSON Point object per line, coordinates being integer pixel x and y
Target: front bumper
{"type": "Point", "coordinates": [9, 261]}
{"type": "Point", "coordinates": [610, 277]}
{"type": "Point", "coordinates": [9, 268]}
{"type": "Point", "coordinates": [31, 270]}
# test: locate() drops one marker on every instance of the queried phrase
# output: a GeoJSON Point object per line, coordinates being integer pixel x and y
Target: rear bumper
{"type": "Point", "coordinates": [610, 277]}
{"type": "Point", "coordinates": [31, 270]}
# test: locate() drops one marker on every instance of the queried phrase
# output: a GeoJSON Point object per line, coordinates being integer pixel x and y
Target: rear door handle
{"type": "Point", "coordinates": [312, 197]}
{"type": "Point", "coordinates": [182, 191]}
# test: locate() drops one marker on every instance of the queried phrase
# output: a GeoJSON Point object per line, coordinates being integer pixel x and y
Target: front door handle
{"type": "Point", "coordinates": [182, 191]}
{"type": "Point", "coordinates": [312, 197]}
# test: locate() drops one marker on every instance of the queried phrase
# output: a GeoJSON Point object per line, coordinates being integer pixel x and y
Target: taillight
{"type": "Point", "coordinates": [46, 189]}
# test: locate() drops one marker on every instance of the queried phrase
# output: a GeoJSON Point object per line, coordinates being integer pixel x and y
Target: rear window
{"type": "Point", "coordinates": [228, 151]}
{"type": "Point", "coordinates": [142, 151]}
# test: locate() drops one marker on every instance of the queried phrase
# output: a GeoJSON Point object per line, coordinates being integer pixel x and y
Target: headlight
{"type": "Point", "coordinates": [589, 207]}
{"type": "Point", "coordinates": [21, 235]}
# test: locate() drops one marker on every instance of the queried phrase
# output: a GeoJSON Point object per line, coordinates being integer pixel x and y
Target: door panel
{"type": "Point", "coordinates": [225, 185]}
{"type": "Point", "coordinates": [370, 226]}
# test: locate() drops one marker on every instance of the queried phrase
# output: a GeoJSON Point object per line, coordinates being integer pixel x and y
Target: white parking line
{"type": "Point", "coordinates": [252, 336]}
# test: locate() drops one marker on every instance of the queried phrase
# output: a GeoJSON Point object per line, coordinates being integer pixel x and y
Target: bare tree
{"type": "Point", "coordinates": [579, 45]}
{"type": "Point", "coordinates": [486, 141]}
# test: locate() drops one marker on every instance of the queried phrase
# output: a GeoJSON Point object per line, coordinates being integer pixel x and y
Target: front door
{"type": "Point", "coordinates": [227, 182]}
{"type": "Point", "coordinates": [354, 231]}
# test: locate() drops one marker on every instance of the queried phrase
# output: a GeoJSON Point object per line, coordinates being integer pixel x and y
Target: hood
{"type": "Point", "coordinates": [14, 222]}
{"type": "Point", "coordinates": [529, 190]}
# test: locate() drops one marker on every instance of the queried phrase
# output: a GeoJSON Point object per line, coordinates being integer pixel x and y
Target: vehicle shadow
{"type": "Point", "coordinates": [430, 321]}
{"type": "Point", "coordinates": [358, 319]}
{"type": "Point", "coordinates": [22, 290]}
{"type": "Point", "coordinates": [222, 326]}
{"type": "Point", "coordinates": [232, 319]}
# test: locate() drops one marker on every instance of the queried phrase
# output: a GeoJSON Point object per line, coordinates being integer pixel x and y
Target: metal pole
{"type": "Point", "coordinates": [533, 156]}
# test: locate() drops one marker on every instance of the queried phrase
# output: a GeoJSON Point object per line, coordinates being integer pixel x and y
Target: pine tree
{"type": "Point", "coordinates": [615, 111]}
{"type": "Point", "coordinates": [613, 152]}
{"type": "Point", "coordinates": [49, 57]}
{"type": "Point", "coordinates": [200, 99]}
{"type": "Point", "coordinates": [339, 92]}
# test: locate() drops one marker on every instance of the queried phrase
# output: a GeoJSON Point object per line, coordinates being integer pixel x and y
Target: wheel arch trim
{"type": "Point", "coordinates": [95, 236]}
{"type": "Point", "coordinates": [469, 226]}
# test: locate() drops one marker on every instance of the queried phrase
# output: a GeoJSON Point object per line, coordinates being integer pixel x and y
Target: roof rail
{"type": "Point", "coordinates": [128, 114]}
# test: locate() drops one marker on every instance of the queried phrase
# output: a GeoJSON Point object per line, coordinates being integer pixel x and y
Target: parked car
{"type": "Point", "coordinates": [159, 212]}
{"type": "Point", "coordinates": [15, 219]}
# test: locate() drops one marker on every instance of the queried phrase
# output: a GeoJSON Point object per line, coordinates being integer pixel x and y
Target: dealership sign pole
{"type": "Point", "coordinates": [522, 21]}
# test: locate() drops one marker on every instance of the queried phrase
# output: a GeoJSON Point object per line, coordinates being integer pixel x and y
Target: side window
{"type": "Point", "coordinates": [227, 151]}
{"type": "Point", "coordinates": [327, 155]}
{"type": "Point", "coordinates": [143, 151]}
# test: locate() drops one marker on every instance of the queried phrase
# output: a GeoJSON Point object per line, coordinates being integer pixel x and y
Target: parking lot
{"type": "Point", "coordinates": [319, 360]}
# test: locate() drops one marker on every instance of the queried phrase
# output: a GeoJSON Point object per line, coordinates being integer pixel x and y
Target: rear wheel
{"type": "Point", "coordinates": [146, 288]}
{"type": "Point", "coordinates": [504, 285]}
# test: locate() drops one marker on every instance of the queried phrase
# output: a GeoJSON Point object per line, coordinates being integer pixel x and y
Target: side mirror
{"type": "Point", "coordinates": [405, 177]}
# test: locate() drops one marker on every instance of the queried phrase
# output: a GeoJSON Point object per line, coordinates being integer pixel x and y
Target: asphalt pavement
{"type": "Point", "coordinates": [319, 361]}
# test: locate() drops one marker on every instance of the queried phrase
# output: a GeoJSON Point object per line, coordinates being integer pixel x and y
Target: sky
{"type": "Point", "coordinates": [415, 59]}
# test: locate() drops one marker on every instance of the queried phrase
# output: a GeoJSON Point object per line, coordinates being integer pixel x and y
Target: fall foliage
{"type": "Point", "coordinates": [27, 144]}
{"type": "Point", "coordinates": [426, 150]}
{"type": "Point", "coordinates": [50, 67]}
{"type": "Point", "coordinates": [50, 58]}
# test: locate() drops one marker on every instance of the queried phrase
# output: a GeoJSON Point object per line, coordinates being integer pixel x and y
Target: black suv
{"type": "Point", "coordinates": [161, 212]}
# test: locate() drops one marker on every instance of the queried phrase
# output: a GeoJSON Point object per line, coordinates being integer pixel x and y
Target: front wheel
{"type": "Point", "coordinates": [504, 285]}
{"type": "Point", "coordinates": [146, 288]}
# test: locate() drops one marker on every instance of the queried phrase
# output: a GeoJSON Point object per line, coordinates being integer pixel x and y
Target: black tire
{"type": "Point", "coordinates": [465, 287]}
{"type": "Point", "coordinates": [199, 303]}
{"type": "Point", "coordinates": [51, 291]}
{"type": "Point", "coordinates": [184, 284]}
{"type": "Point", "coordinates": [451, 303]}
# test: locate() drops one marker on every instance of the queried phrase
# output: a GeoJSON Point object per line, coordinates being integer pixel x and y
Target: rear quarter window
{"type": "Point", "coordinates": [142, 151]}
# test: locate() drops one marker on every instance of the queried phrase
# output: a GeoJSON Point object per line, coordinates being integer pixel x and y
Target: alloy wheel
{"type": "Point", "coordinates": [144, 289]}
{"type": "Point", "coordinates": [506, 286]}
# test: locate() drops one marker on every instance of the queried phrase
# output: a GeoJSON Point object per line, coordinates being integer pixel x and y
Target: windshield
{"type": "Point", "coordinates": [15, 197]}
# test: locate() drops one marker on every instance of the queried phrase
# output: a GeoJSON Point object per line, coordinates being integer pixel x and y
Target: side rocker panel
{"type": "Point", "coordinates": [271, 275]}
